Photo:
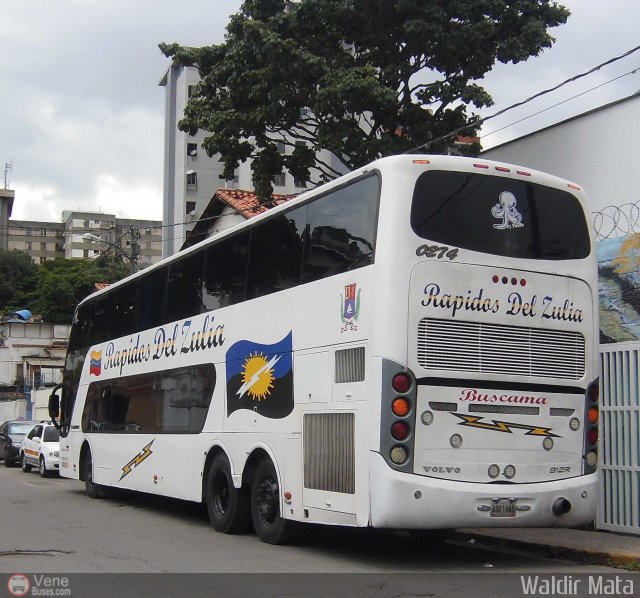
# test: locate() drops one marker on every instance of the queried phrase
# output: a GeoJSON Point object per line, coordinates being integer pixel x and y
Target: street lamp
{"type": "Point", "coordinates": [96, 239]}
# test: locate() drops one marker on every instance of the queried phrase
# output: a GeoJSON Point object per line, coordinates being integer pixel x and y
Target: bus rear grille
{"type": "Point", "coordinates": [329, 456]}
{"type": "Point", "coordinates": [498, 349]}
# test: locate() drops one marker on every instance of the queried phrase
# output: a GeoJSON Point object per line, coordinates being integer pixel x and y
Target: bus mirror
{"type": "Point", "coordinates": [54, 403]}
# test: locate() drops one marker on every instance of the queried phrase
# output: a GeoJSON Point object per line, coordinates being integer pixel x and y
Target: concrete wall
{"type": "Point", "coordinates": [597, 150]}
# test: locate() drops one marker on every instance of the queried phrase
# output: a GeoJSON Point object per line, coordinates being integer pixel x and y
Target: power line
{"type": "Point", "coordinates": [560, 103]}
{"type": "Point", "coordinates": [480, 121]}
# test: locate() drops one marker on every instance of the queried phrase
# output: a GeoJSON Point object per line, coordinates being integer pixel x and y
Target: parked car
{"type": "Point", "coordinates": [41, 449]}
{"type": "Point", "coordinates": [12, 433]}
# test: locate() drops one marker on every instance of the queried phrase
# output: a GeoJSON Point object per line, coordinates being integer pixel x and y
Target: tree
{"type": "Point", "coordinates": [63, 283]}
{"type": "Point", "coordinates": [361, 78]}
{"type": "Point", "coordinates": [17, 280]}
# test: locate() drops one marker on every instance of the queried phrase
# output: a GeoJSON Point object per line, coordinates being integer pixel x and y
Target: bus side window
{"type": "Point", "coordinates": [275, 257]}
{"type": "Point", "coordinates": [184, 290]}
{"type": "Point", "coordinates": [152, 299]}
{"type": "Point", "coordinates": [341, 230]}
{"type": "Point", "coordinates": [225, 274]}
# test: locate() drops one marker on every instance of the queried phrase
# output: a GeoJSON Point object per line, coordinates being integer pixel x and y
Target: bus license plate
{"type": "Point", "coordinates": [503, 507]}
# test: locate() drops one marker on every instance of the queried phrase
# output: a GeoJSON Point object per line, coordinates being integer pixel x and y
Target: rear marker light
{"type": "Point", "coordinates": [456, 441]}
{"type": "Point", "coordinates": [523, 172]}
{"type": "Point", "coordinates": [398, 455]}
{"type": "Point", "coordinates": [400, 430]}
{"type": "Point", "coordinates": [503, 169]}
{"type": "Point", "coordinates": [594, 393]}
{"type": "Point", "coordinates": [421, 161]}
{"type": "Point", "coordinates": [495, 279]}
{"type": "Point", "coordinates": [523, 282]}
{"type": "Point", "coordinates": [426, 418]}
{"type": "Point", "coordinates": [592, 436]}
{"type": "Point", "coordinates": [481, 166]}
{"type": "Point", "coordinates": [592, 458]}
{"type": "Point", "coordinates": [593, 415]}
{"type": "Point", "coordinates": [401, 383]}
{"type": "Point", "coordinates": [509, 471]}
{"type": "Point", "coordinates": [572, 186]}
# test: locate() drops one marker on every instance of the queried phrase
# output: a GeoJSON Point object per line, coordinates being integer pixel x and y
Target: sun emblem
{"type": "Point", "coordinates": [257, 376]}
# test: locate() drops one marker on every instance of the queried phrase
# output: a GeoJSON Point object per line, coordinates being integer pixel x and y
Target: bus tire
{"type": "Point", "coordinates": [228, 506]}
{"type": "Point", "coordinates": [268, 522]}
{"type": "Point", "coordinates": [91, 489]}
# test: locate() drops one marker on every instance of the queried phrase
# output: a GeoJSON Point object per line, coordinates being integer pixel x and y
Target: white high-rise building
{"type": "Point", "coordinates": [191, 178]}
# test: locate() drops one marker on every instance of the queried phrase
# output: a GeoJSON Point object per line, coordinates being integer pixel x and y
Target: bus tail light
{"type": "Point", "coordinates": [398, 416]}
{"type": "Point", "coordinates": [400, 407]}
{"type": "Point", "coordinates": [592, 417]}
{"type": "Point", "coordinates": [401, 382]}
{"type": "Point", "coordinates": [400, 430]}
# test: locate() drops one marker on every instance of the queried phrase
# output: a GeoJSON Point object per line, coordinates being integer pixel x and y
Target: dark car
{"type": "Point", "coordinates": [12, 434]}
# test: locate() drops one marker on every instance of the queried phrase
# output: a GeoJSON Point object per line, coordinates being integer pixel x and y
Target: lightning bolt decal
{"type": "Point", "coordinates": [474, 421]}
{"type": "Point", "coordinates": [267, 366]}
{"type": "Point", "coordinates": [139, 458]}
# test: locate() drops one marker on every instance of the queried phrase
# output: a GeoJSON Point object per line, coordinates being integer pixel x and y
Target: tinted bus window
{"type": "Point", "coordinates": [152, 298]}
{"type": "Point", "coordinates": [499, 216]}
{"type": "Point", "coordinates": [341, 228]}
{"type": "Point", "coordinates": [173, 401]}
{"type": "Point", "coordinates": [275, 255]}
{"type": "Point", "coordinates": [225, 275]}
{"type": "Point", "coordinates": [184, 290]}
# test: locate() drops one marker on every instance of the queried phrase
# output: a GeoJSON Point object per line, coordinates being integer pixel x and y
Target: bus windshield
{"type": "Point", "coordinates": [499, 216]}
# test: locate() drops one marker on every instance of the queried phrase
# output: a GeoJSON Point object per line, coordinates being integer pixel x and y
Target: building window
{"type": "Point", "coordinates": [190, 207]}
{"type": "Point", "coordinates": [43, 232]}
{"type": "Point", "coordinates": [280, 180]}
{"type": "Point", "coordinates": [192, 180]}
{"type": "Point", "coordinates": [28, 232]}
{"type": "Point", "coordinates": [192, 150]}
{"type": "Point", "coordinates": [299, 184]}
{"type": "Point", "coordinates": [43, 246]}
{"type": "Point", "coordinates": [28, 245]}
{"type": "Point", "coordinates": [191, 91]}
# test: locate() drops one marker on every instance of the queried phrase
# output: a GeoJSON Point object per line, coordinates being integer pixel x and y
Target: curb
{"type": "Point", "coordinates": [581, 555]}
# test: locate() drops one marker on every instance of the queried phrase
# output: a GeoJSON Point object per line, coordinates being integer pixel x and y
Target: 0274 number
{"type": "Point", "coordinates": [437, 251]}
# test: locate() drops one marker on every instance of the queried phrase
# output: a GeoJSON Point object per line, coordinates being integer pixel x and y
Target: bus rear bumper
{"type": "Point", "coordinates": [407, 501]}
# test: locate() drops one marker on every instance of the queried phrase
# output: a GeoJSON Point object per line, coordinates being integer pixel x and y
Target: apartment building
{"type": "Point", "coordinates": [133, 239]}
{"type": "Point", "coordinates": [191, 178]}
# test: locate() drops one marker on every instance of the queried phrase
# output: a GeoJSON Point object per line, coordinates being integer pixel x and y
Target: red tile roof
{"type": "Point", "coordinates": [247, 202]}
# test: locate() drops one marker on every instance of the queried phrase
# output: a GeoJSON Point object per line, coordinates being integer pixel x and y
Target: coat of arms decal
{"type": "Point", "coordinates": [350, 307]}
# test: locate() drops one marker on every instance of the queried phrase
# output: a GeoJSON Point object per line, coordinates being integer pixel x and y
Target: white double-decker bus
{"type": "Point", "coordinates": [413, 345]}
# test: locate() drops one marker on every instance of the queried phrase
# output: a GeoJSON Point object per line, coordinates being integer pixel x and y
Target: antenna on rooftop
{"type": "Point", "coordinates": [7, 171]}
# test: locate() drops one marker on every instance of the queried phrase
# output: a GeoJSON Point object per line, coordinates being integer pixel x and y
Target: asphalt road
{"type": "Point", "coordinates": [50, 526]}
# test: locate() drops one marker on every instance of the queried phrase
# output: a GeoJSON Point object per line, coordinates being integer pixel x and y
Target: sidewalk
{"type": "Point", "coordinates": [586, 546]}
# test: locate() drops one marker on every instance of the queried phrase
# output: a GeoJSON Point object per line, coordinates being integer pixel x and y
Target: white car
{"type": "Point", "coordinates": [41, 449]}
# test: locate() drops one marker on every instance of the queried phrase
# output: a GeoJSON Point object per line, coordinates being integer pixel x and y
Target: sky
{"type": "Point", "coordinates": [82, 114]}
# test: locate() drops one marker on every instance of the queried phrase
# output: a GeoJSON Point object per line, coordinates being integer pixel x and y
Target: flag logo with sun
{"type": "Point", "coordinates": [260, 377]}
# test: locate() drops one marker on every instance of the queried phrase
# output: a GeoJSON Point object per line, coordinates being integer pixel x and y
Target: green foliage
{"type": "Point", "coordinates": [17, 280]}
{"type": "Point", "coordinates": [360, 78]}
{"type": "Point", "coordinates": [62, 284]}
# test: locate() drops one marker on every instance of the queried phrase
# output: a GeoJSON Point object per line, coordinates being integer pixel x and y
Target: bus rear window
{"type": "Point", "coordinates": [499, 216]}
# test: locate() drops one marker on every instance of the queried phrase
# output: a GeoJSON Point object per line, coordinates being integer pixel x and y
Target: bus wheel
{"type": "Point", "coordinates": [265, 506]}
{"type": "Point", "coordinates": [228, 506]}
{"type": "Point", "coordinates": [91, 489]}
